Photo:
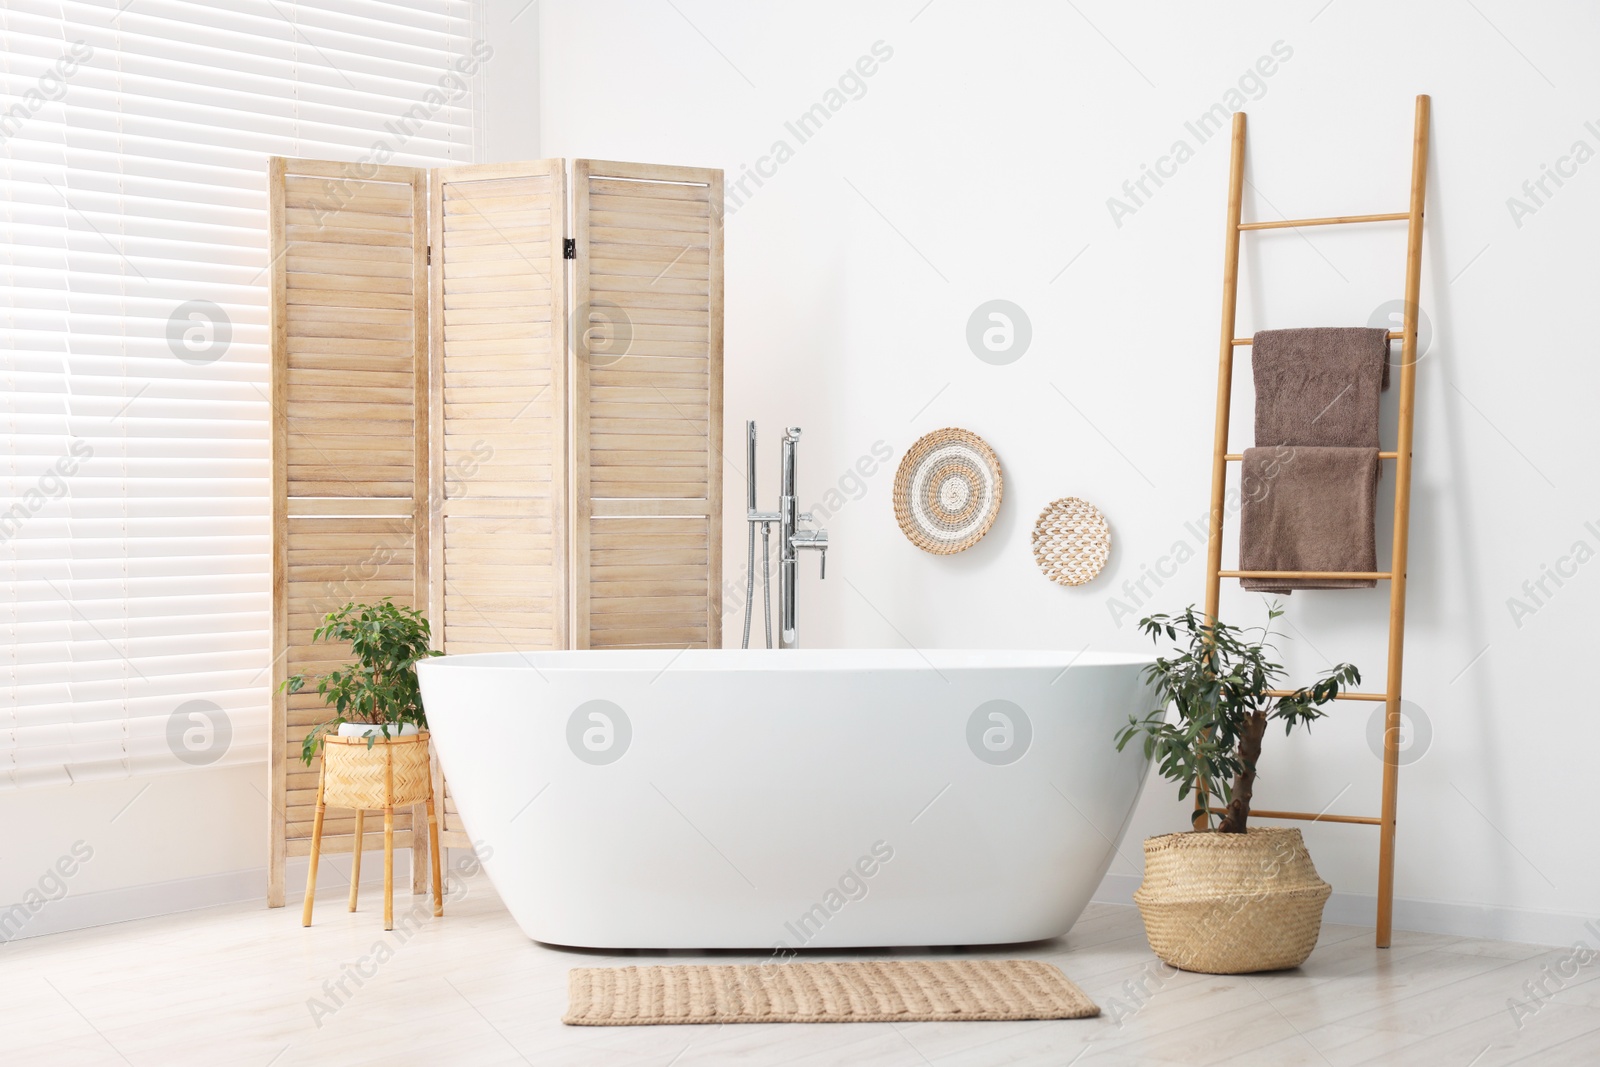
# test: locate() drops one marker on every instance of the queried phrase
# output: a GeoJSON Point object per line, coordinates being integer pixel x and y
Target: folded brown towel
{"type": "Point", "coordinates": [1308, 508]}
{"type": "Point", "coordinates": [1319, 386]}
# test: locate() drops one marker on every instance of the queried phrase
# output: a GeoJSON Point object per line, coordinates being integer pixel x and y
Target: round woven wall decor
{"type": "Point", "coordinates": [1071, 541]}
{"type": "Point", "coordinates": [947, 491]}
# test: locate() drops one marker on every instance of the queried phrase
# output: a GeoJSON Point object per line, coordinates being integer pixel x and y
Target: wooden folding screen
{"type": "Point", "coordinates": [647, 405]}
{"type": "Point", "coordinates": [499, 414]}
{"type": "Point", "coordinates": [349, 443]}
{"type": "Point", "coordinates": [571, 496]}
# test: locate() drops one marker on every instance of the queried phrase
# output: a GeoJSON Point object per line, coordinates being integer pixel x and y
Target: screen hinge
{"type": "Point", "coordinates": [569, 248]}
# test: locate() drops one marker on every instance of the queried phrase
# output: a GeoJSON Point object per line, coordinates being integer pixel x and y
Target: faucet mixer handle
{"type": "Point", "coordinates": [822, 574]}
{"type": "Point", "coordinates": [813, 538]}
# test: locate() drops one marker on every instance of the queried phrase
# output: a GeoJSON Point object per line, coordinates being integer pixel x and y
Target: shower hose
{"type": "Point", "coordinates": [766, 582]}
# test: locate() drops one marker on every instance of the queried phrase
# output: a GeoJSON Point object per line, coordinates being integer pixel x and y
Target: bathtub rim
{"type": "Point", "coordinates": [737, 661]}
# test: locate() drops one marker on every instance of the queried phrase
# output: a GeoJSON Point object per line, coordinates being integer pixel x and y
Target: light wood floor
{"type": "Point", "coordinates": [231, 985]}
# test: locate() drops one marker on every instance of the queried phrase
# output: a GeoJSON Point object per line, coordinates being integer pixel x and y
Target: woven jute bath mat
{"type": "Point", "coordinates": [852, 992]}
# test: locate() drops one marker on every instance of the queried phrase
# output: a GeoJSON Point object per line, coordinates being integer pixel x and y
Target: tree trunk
{"type": "Point", "coordinates": [1238, 814]}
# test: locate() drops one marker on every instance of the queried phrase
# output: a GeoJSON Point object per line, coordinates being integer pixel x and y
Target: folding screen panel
{"type": "Point", "coordinates": [499, 407]}
{"type": "Point", "coordinates": [348, 250]}
{"type": "Point", "coordinates": [647, 405]}
{"type": "Point", "coordinates": [499, 415]}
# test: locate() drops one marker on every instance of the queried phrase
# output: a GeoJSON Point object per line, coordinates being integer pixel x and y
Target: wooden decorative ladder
{"type": "Point", "coordinates": [1396, 575]}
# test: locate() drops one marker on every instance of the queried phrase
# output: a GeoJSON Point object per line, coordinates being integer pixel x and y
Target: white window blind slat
{"type": "Point", "coordinates": [134, 445]}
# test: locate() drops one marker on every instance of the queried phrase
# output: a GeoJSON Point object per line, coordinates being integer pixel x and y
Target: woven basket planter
{"type": "Point", "coordinates": [357, 776]}
{"type": "Point", "coordinates": [1231, 903]}
{"type": "Point", "coordinates": [392, 773]}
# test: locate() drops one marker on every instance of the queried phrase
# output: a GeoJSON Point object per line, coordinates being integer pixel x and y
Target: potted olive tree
{"type": "Point", "coordinates": [375, 748]}
{"type": "Point", "coordinates": [1225, 897]}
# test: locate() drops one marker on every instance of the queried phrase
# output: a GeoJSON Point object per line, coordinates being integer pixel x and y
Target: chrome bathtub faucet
{"type": "Point", "coordinates": [795, 532]}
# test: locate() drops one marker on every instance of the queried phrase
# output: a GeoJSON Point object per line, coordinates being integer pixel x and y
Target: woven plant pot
{"type": "Point", "coordinates": [1231, 903]}
{"type": "Point", "coordinates": [359, 777]}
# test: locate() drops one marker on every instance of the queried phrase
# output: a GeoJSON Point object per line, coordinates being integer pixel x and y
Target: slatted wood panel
{"type": "Point", "coordinates": [499, 409]}
{"type": "Point", "coordinates": [647, 405]}
{"type": "Point", "coordinates": [350, 442]}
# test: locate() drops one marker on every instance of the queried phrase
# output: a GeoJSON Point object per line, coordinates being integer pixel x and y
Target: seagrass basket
{"type": "Point", "coordinates": [359, 777]}
{"type": "Point", "coordinates": [1231, 903]}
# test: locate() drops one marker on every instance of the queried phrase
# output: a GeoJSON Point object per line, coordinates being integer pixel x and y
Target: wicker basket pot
{"type": "Point", "coordinates": [1231, 903]}
{"type": "Point", "coordinates": [391, 772]}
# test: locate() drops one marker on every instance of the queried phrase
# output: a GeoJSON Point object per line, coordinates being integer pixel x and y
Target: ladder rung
{"type": "Point", "coordinates": [1379, 697]}
{"type": "Point", "coordinates": [1235, 457]}
{"type": "Point", "coordinates": [1337, 220]}
{"type": "Point", "coordinates": [1246, 342]}
{"type": "Point", "coordinates": [1307, 575]}
{"type": "Point", "coordinates": [1306, 816]}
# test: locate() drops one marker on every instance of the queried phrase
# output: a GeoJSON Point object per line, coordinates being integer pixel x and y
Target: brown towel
{"type": "Point", "coordinates": [1308, 509]}
{"type": "Point", "coordinates": [1319, 386]}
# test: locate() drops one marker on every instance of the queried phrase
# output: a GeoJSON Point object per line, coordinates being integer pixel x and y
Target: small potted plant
{"type": "Point", "coordinates": [1226, 898]}
{"type": "Point", "coordinates": [376, 756]}
{"type": "Point", "coordinates": [377, 695]}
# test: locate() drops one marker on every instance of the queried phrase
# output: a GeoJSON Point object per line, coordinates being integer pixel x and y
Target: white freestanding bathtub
{"type": "Point", "coordinates": [790, 799]}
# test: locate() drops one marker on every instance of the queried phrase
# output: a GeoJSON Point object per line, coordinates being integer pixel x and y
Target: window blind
{"type": "Point", "coordinates": [134, 445]}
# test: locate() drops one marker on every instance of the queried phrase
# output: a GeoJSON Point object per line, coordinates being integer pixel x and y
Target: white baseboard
{"type": "Point", "coordinates": [80, 911]}
{"type": "Point", "coordinates": [1423, 916]}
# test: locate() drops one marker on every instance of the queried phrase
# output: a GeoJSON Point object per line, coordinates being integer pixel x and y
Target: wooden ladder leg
{"type": "Point", "coordinates": [1402, 527]}
{"type": "Point", "coordinates": [1219, 446]}
{"type": "Point", "coordinates": [355, 859]}
{"type": "Point", "coordinates": [388, 866]}
{"type": "Point", "coordinates": [388, 841]}
{"type": "Point", "coordinates": [316, 849]}
{"type": "Point", "coordinates": [433, 849]}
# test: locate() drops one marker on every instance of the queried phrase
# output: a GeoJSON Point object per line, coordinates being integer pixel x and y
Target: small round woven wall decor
{"type": "Point", "coordinates": [947, 491]}
{"type": "Point", "coordinates": [1071, 541]}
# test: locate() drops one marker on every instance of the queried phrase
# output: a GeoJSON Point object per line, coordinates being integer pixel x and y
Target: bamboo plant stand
{"type": "Point", "coordinates": [393, 771]}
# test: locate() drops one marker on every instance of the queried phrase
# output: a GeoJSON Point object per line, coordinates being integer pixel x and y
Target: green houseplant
{"type": "Point", "coordinates": [1225, 898]}
{"type": "Point", "coordinates": [378, 690]}
{"type": "Point", "coordinates": [376, 699]}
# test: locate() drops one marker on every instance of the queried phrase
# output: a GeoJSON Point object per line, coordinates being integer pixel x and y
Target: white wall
{"type": "Point", "coordinates": [141, 846]}
{"type": "Point", "coordinates": [508, 85]}
{"type": "Point", "coordinates": [978, 164]}
{"type": "Point", "coordinates": [108, 851]}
